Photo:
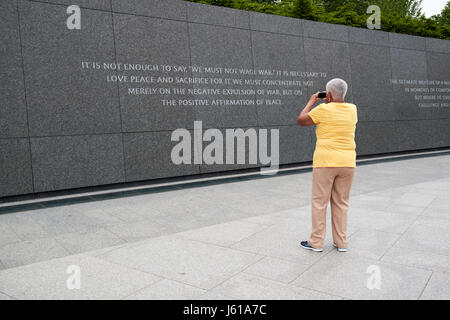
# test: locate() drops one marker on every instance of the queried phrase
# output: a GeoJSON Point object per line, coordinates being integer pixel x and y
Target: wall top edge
{"type": "Point", "coordinates": [235, 18]}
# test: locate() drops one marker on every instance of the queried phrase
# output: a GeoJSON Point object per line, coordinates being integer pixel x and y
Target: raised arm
{"type": "Point", "coordinates": [304, 119]}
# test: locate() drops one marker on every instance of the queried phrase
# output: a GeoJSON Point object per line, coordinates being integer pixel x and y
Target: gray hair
{"type": "Point", "coordinates": [338, 88]}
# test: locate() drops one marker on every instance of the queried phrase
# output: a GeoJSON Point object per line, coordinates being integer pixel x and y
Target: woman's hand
{"type": "Point", "coordinates": [304, 119]}
{"type": "Point", "coordinates": [314, 98]}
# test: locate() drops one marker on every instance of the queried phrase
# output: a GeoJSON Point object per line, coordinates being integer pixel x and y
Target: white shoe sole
{"type": "Point", "coordinates": [313, 249]}
{"type": "Point", "coordinates": [340, 249]}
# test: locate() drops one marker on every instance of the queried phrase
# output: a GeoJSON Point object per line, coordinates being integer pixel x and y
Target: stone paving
{"type": "Point", "coordinates": [238, 240]}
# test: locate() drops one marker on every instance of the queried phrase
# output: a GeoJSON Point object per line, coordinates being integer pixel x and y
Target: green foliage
{"type": "Point", "coordinates": [401, 16]}
{"type": "Point", "coordinates": [403, 8]}
{"type": "Point", "coordinates": [444, 18]}
{"type": "Point", "coordinates": [303, 9]}
{"type": "Point", "coordinates": [345, 14]}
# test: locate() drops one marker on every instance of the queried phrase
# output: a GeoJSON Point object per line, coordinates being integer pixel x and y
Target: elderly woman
{"type": "Point", "coordinates": [334, 163]}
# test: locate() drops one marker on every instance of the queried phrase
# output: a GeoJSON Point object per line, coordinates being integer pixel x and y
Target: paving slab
{"type": "Point", "coordinates": [5, 297]}
{"type": "Point", "coordinates": [438, 288]}
{"type": "Point", "coordinates": [135, 231]}
{"type": "Point", "coordinates": [82, 242]}
{"type": "Point", "coordinates": [276, 269]}
{"type": "Point", "coordinates": [435, 185]}
{"type": "Point", "coordinates": [347, 276]}
{"type": "Point", "coordinates": [211, 295]}
{"type": "Point", "coordinates": [274, 218]}
{"type": "Point", "coordinates": [102, 218]}
{"type": "Point", "coordinates": [407, 210]}
{"type": "Point", "coordinates": [191, 262]}
{"type": "Point", "coordinates": [63, 219]}
{"type": "Point", "coordinates": [282, 241]}
{"type": "Point", "coordinates": [26, 252]}
{"type": "Point", "coordinates": [7, 235]}
{"type": "Point", "coordinates": [415, 199]}
{"type": "Point", "coordinates": [370, 202]}
{"type": "Point", "coordinates": [371, 244]}
{"type": "Point", "coordinates": [246, 202]}
{"type": "Point", "coordinates": [418, 257]}
{"type": "Point", "coordinates": [430, 234]}
{"type": "Point", "coordinates": [167, 289]}
{"type": "Point", "coordinates": [178, 222]}
{"type": "Point", "coordinates": [245, 287]}
{"type": "Point", "coordinates": [51, 280]}
{"type": "Point", "coordinates": [23, 226]}
{"type": "Point", "coordinates": [379, 220]}
{"type": "Point", "coordinates": [225, 234]}
{"type": "Point", "coordinates": [436, 213]}
{"type": "Point", "coordinates": [441, 202]}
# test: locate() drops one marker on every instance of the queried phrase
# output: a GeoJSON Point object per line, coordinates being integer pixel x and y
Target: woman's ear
{"type": "Point", "coordinates": [329, 97]}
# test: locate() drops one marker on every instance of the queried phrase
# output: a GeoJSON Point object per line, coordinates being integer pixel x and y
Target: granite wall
{"type": "Point", "coordinates": [76, 111]}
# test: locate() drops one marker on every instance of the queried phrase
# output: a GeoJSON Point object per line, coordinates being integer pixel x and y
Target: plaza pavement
{"type": "Point", "coordinates": [237, 240]}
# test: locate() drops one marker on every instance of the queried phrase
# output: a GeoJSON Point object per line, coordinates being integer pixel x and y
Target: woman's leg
{"type": "Point", "coordinates": [321, 192]}
{"type": "Point", "coordinates": [340, 197]}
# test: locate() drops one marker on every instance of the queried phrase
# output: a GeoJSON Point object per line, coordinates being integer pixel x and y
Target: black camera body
{"type": "Point", "coordinates": [322, 95]}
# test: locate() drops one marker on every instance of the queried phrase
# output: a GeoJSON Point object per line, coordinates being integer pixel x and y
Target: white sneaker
{"type": "Point", "coordinates": [340, 249]}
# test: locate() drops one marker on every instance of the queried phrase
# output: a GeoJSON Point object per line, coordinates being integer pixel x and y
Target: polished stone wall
{"type": "Point", "coordinates": [63, 126]}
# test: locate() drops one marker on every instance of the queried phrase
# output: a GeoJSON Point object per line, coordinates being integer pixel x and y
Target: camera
{"type": "Point", "coordinates": [322, 95]}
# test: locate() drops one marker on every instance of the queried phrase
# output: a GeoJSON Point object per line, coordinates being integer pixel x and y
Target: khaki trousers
{"type": "Point", "coordinates": [330, 185]}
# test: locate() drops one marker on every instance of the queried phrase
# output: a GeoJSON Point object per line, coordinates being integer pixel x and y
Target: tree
{"type": "Point", "coordinates": [346, 14]}
{"type": "Point", "coordinates": [444, 17]}
{"type": "Point", "coordinates": [404, 8]}
{"type": "Point", "coordinates": [401, 16]}
{"type": "Point", "coordinates": [360, 6]}
{"type": "Point", "coordinates": [303, 9]}
{"type": "Point", "coordinates": [223, 3]}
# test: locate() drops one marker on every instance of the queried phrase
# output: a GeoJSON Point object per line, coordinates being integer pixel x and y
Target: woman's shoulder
{"type": "Point", "coordinates": [351, 105]}
{"type": "Point", "coordinates": [334, 104]}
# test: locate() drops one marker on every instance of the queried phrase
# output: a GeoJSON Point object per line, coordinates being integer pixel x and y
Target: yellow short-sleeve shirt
{"type": "Point", "coordinates": [335, 131]}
